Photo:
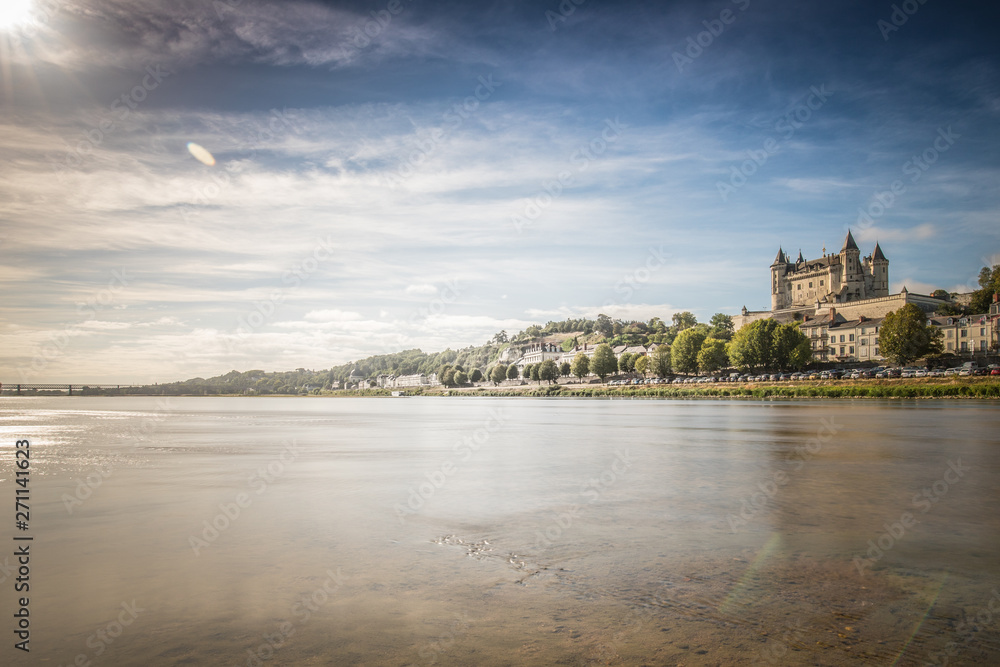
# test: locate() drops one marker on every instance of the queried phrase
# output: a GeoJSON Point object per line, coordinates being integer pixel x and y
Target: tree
{"type": "Point", "coordinates": [477, 376]}
{"type": "Point", "coordinates": [712, 355]}
{"type": "Point", "coordinates": [447, 378]}
{"type": "Point", "coordinates": [751, 346]}
{"type": "Point", "coordinates": [722, 326]}
{"type": "Point", "coordinates": [684, 351]}
{"type": "Point", "coordinates": [941, 294]}
{"type": "Point", "coordinates": [526, 372]}
{"type": "Point", "coordinates": [660, 361]}
{"type": "Point", "coordinates": [765, 344]}
{"type": "Point", "coordinates": [684, 320]}
{"type": "Point", "coordinates": [626, 362]}
{"type": "Point", "coordinates": [565, 368]}
{"type": "Point", "coordinates": [499, 374]}
{"type": "Point", "coordinates": [581, 365]}
{"type": "Point", "coordinates": [548, 370]}
{"type": "Point", "coordinates": [512, 372]}
{"type": "Point", "coordinates": [460, 378]}
{"type": "Point", "coordinates": [989, 284]}
{"type": "Point", "coordinates": [905, 335]}
{"type": "Point", "coordinates": [604, 363]}
{"type": "Point", "coordinates": [604, 325]}
{"type": "Point", "coordinates": [500, 338]}
{"type": "Point", "coordinates": [534, 374]}
{"type": "Point", "coordinates": [642, 364]}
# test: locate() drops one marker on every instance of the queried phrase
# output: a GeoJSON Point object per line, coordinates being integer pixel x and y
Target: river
{"type": "Point", "coordinates": [459, 531]}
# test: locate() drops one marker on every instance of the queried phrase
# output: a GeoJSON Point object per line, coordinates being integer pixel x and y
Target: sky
{"type": "Point", "coordinates": [191, 187]}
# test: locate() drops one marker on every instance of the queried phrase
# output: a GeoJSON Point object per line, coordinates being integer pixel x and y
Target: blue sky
{"type": "Point", "coordinates": [403, 174]}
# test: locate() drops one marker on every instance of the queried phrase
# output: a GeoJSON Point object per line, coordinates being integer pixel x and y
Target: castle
{"type": "Point", "coordinates": [832, 279]}
{"type": "Point", "coordinates": [844, 283]}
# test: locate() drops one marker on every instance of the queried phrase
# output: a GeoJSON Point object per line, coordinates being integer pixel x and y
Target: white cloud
{"type": "Point", "coordinates": [424, 289]}
{"type": "Point", "coordinates": [332, 316]}
{"type": "Point", "coordinates": [919, 233]}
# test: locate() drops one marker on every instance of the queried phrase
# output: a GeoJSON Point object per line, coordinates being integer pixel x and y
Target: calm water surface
{"type": "Point", "coordinates": [412, 531]}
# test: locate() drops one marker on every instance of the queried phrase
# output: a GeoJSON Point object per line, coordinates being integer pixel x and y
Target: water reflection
{"type": "Point", "coordinates": [482, 531]}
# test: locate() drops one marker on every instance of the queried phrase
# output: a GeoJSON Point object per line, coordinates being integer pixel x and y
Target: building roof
{"type": "Point", "coordinates": [878, 253]}
{"type": "Point", "coordinates": [849, 243]}
{"type": "Point", "coordinates": [781, 258]}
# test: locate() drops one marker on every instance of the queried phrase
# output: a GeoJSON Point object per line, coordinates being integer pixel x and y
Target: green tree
{"type": "Point", "coordinates": [604, 363]}
{"type": "Point", "coordinates": [565, 368]}
{"type": "Point", "coordinates": [460, 378]}
{"type": "Point", "coordinates": [581, 365]}
{"type": "Point", "coordinates": [989, 284]}
{"type": "Point", "coordinates": [535, 374]}
{"type": "Point", "coordinates": [751, 346]}
{"type": "Point", "coordinates": [499, 374]}
{"type": "Point", "coordinates": [684, 320]}
{"type": "Point", "coordinates": [548, 371]}
{"type": "Point", "coordinates": [660, 361]}
{"type": "Point", "coordinates": [500, 338]}
{"type": "Point", "coordinates": [626, 362]}
{"type": "Point", "coordinates": [477, 376]}
{"type": "Point", "coordinates": [905, 335]}
{"type": "Point", "coordinates": [712, 355]}
{"type": "Point", "coordinates": [512, 372]}
{"type": "Point", "coordinates": [684, 351]}
{"type": "Point", "coordinates": [604, 326]}
{"type": "Point", "coordinates": [788, 344]}
{"type": "Point", "coordinates": [722, 326]}
{"type": "Point", "coordinates": [447, 378]}
{"type": "Point", "coordinates": [526, 372]}
{"type": "Point", "coordinates": [642, 364]}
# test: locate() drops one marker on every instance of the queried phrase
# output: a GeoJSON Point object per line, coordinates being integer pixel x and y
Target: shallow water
{"type": "Point", "coordinates": [506, 531]}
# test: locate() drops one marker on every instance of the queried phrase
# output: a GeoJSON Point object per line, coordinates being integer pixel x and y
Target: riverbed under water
{"type": "Point", "coordinates": [459, 531]}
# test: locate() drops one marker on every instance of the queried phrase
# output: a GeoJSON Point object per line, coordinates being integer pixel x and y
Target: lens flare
{"type": "Point", "coordinates": [201, 154]}
{"type": "Point", "coordinates": [14, 13]}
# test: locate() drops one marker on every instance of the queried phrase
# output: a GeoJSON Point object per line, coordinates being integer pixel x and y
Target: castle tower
{"type": "Point", "coordinates": [852, 279]}
{"type": "Point", "coordinates": [778, 286]}
{"type": "Point", "coordinates": [880, 273]}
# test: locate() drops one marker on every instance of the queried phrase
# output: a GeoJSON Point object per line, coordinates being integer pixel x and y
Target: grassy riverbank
{"type": "Point", "coordinates": [986, 387]}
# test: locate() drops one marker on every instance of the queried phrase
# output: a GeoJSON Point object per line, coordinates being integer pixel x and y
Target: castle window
{"type": "Point", "coordinates": [948, 333]}
{"type": "Point", "coordinates": [821, 283]}
{"type": "Point", "coordinates": [833, 339]}
{"type": "Point", "coordinates": [965, 332]}
{"type": "Point", "coordinates": [982, 331]}
{"type": "Point", "coordinates": [841, 338]}
{"type": "Point", "coordinates": [810, 283]}
{"type": "Point", "coordinates": [876, 351]}
{"type": "Point", "coordinates": [841, 350]}
{"type": "Point", "coordinates": [864, 342]}
{"type": "Point", "coordinates": [851, 338]}
{"type": "Point", "coordinates": [799, 286]}
{"type": "Point", "coordinates": [950, 346]}
{"type": "Point", "coordinates": [852, 349]}
{"type": "Point", "coordinates": [965, 346]}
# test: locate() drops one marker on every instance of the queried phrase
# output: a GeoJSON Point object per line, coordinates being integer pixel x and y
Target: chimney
{"type": "Point", "coordinates": [861, 318]}
{"type": "Point", "coordinates": [996, 296]}
{"type": "Point", "coordinates": [833, 313]}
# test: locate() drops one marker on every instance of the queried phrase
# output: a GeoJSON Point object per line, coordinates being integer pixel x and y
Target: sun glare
{"type": "Point", "coordinates": [14, 13]}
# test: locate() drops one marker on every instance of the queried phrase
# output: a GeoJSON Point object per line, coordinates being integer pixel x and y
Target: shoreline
{"type": "Point", "coordinates": [979, 387]}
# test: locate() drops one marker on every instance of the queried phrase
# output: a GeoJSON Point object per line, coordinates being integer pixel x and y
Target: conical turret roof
{"type": "Point", "coordinates": [849, 243]}
{"type": "Point", "coordinates": [878, 253]}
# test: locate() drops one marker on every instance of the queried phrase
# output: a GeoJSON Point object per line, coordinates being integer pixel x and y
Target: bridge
{"type": "Point", "coordinates": [17, 388]}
